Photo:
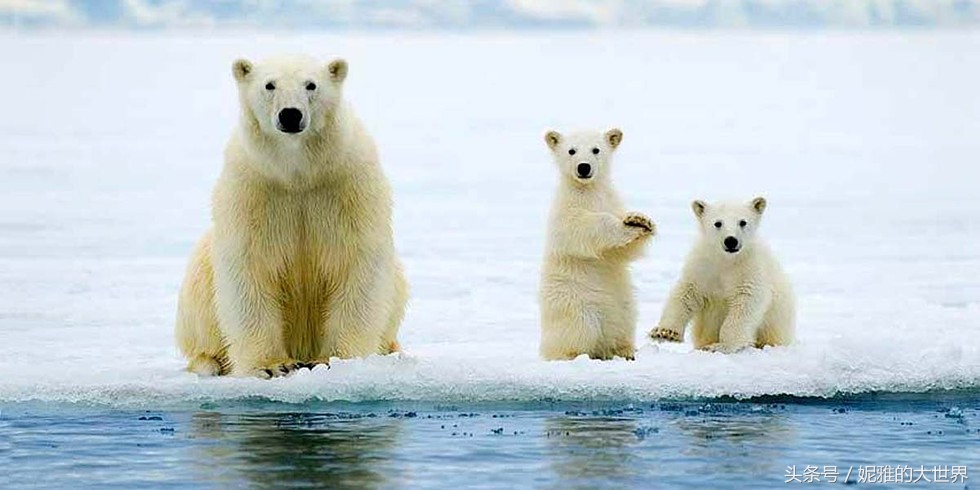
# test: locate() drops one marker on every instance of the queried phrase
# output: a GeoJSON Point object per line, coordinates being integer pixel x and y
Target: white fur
{"type": "Point", "coordinates": [300, 265]}
{"type": "Point", "coordinates": [586, 296]}
{"type": "Point", "coordinates": [736, 300]}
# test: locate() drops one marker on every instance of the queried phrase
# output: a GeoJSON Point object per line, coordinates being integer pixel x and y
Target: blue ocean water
{"type": "Point", "coordinates": [717, 443]}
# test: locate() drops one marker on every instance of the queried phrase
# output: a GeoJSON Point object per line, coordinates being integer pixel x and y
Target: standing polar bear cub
{"type": "Point", "coordinates": [731, 285]}
{"type": "Point", "coordinates": [300, 265]}
{"type": "Point", "coordinates": [586, 296]}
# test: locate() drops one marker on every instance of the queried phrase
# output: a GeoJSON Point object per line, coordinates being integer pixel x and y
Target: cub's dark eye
{"type": "Point", "coordinates": [310, 86]}
{"type": "Point", "coordinates": [270, 86]}
{"type": "Point", "coordinates": [742, 223]}
{"type": "Point", "coordinates": [571, 151]}
{"type": "Point", "coordinates": [595, 151]}
{"type": "Point", "coordinates": [718, 224]}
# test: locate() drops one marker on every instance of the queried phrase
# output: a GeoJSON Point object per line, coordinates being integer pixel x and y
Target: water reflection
{"type": "Point", "coordinates": [737, 442]}
{"type": "Point", "coordinates": [591, 450]}
{"type": "Point", "coordinates": [295, 450]}
{"type": "Point", "coordinates": [695, 444]}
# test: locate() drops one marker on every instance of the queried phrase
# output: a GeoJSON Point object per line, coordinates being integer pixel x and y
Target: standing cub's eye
{"type": "Point", "coordinates": [718, 224]}
{"type": "Point", "coordinates": [310, 86]}
{"type": "Point", "coordinates": [742, 223]}
{"type": "Point", "coordinates": [270, 86]}
{"type": "Point", "coordinates": [595, 151]}
{"type": "Point", "coordinates": [571, 151]}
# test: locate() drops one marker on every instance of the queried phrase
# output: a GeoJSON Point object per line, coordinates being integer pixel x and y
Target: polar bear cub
{"type": "Point", "coordinates": [586, 296]}
{"type": "Point", "coordinates": [731, 285]}
{"type": "Point", "coordinates": [300, 265]}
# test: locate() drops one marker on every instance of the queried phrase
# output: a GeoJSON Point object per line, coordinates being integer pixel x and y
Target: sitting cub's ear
{"type": "Point", "coordinates": [614, 137]}
{"type": "Point", "coordinates": [338, 70]}
{"type": "Point", "coordinates": [759, 204]}
{"type": "Point", "coordinates": [241, 68]}
{"type": "Point", "coordinates": [698, 207]}
{"type": "Point", "coordinates": [553, 138]}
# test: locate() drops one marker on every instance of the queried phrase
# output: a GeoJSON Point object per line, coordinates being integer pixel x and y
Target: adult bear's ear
{"type": "Point", "coordinates": [552, 138]}
{"type": "Point", "coordinates": [759, 204]}
{"type": "Point", "coordinates": [337, 70]}
{"type": "Point", "coordinates": [242, 69]}
{"type": "Point", "coordinates": [614, 137]}
{"type": "Point", "coordinates": [698, 207]}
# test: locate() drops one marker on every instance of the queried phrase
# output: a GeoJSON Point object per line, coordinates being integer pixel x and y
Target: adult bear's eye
{"type": "Point", "coordinates": [571, 151]}
{"type": "Point", "coordinates": [270, 86]}
{"type": "Point", "coordinates": [595, 151]}
{"type": "Point", "coordinates": [718, 224]}
{"type": "Point", "coordinates": [310, 86]}
{"type": "Point", "coordinates": [742, 223]}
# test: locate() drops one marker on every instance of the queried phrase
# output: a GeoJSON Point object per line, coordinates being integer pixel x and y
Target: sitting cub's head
{"type": "Point", "coordinates": [730, 225]}
{"type": "Point", "coordinates": [289, 96]}
{"type": "Point", "coordinates": [583, 157]}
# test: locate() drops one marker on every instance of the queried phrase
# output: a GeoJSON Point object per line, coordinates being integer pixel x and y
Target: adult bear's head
{"type": "Point", "coordinates": [289, 96]}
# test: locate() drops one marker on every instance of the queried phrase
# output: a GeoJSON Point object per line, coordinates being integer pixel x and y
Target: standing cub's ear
{"type": "Point", "coordinates": [698, 207]}
{"type": "Point", "coordinates": [614, 137]}
{"type": "Point", "coordinates": [759, 204]}
{"type": "Point", "coordinates": [241, 68]}
{"type": "Point", "coordinates": [338, 70]}
{"type": "Point", "coordinates": [553, 138]}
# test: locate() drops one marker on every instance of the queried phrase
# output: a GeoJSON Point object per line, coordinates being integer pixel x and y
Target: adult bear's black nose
{"type": "Point", "coordinates": [731, 244]}
{"type": "Point", "coordinates": [584, 170]}
{"type": "Point", "coordinates": [290, 120]}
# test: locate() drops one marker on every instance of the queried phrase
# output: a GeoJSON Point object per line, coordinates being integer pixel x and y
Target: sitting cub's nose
{"type": "Point", "coordinates": [731, 243]}
{"type": "Point", "coordinates": [290, 120]}
{"type": "Point", "coordinates": [584, 170]}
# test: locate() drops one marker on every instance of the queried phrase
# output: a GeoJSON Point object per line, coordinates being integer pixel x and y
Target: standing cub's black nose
{"type": "Point", "coordinates": [731, 244]}
{"type": "Point", "coordinates": [290, 120]}
{"type": "Point", "coordinates": [584, 170]}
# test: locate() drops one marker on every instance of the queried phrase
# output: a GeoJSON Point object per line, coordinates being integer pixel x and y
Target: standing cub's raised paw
{"type": "Point", "coordinates": [665, 335]}
{"type": "Point", "coordinates": [637, 220]}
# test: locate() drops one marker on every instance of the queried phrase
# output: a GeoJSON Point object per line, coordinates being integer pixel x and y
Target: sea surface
{"type": "Point", "coordinates": [874, 441]}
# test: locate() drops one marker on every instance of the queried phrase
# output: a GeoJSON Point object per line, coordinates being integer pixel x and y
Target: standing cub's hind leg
{"type": "Point", "coordinates": [625, 350]}
{"type": "Point", "coordinates": [196, 330]}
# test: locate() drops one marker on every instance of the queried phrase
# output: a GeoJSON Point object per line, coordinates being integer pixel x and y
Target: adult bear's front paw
{"type": "Point", "coordinates": [276, 370]}
{"type": "Point", "coordinates": [665, 335]}
{"type": "Point", "coordinates": [637, 220]}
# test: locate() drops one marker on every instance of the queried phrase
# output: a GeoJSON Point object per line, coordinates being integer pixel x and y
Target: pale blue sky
{"type": "Point", "coordinates": [483, 14]}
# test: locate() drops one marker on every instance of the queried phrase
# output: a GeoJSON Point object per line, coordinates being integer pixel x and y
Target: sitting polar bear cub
{"type": "Point", "coordinates": [731, 285]}
{"type": "Point", "coordinates": [300, 265]}
{"type": "Point", "coordinates": [586, 297]}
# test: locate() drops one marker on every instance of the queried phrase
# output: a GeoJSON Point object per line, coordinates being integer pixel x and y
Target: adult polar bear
{"type": "Point", "coordinates": [300, 265]}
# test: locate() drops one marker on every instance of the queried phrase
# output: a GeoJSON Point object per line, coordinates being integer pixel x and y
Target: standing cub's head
{"type": "Point", "coordinates": [730, 226]}
{"type": "Point", "coordinates": [289, 96]}
{"type": "Point", "coordinates": [584, 156]}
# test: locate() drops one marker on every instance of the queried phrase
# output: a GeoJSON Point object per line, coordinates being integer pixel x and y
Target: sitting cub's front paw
{"type": "Point", "coordinates": [665, 335]}
{"type": "Point", "coordinates": [637, 220]}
